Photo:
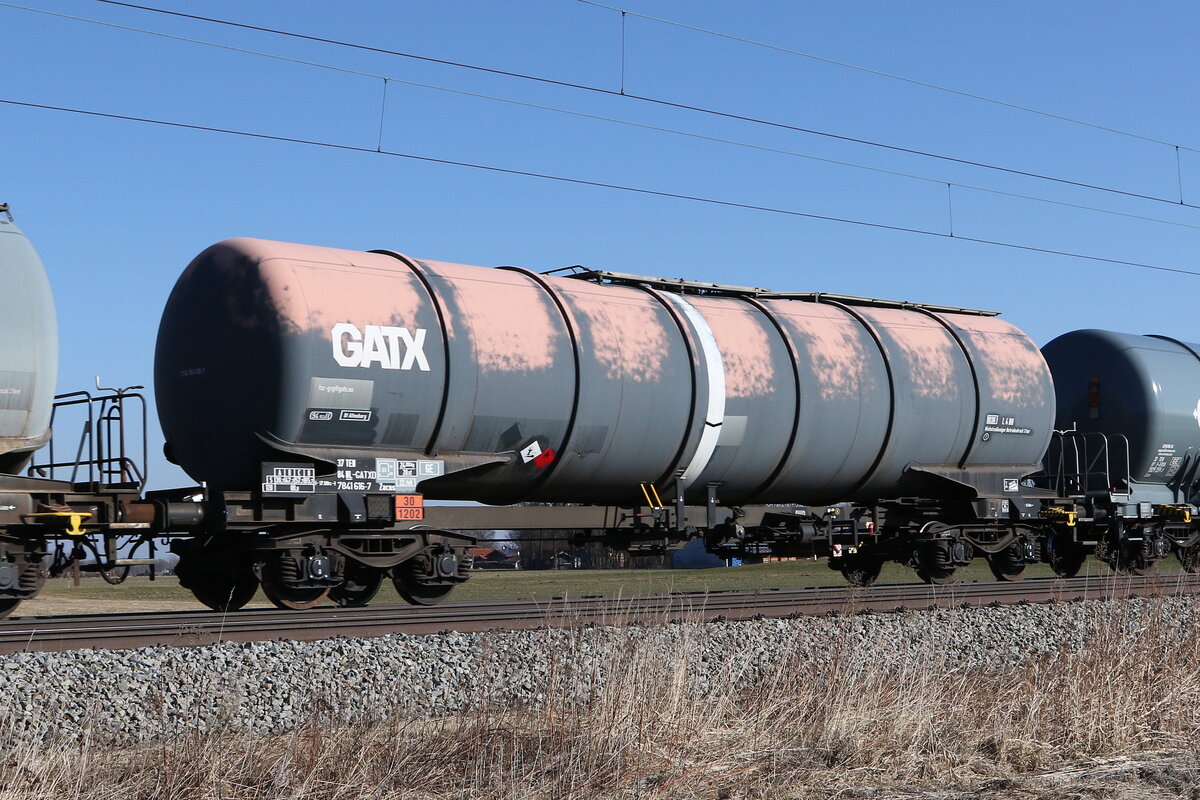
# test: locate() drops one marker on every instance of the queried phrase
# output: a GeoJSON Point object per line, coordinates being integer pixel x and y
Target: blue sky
{"type": "Point", "coordinates": [118, 208]}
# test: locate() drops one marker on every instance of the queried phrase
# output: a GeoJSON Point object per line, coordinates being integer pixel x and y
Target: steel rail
{"type": "Point", "coordinates": [192, 628]}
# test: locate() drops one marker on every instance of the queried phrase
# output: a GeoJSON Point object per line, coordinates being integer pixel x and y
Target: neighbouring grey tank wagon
{"type": "Point", "coordinates": [1136, 398]}
{"type": "Point", "coordinates": [28, 348]}
{"type": "Point", "coordinates": [1128, 413]}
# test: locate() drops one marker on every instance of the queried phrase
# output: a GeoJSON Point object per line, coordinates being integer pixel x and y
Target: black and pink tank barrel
{"type": "Point", "coordinates": [581, 389]}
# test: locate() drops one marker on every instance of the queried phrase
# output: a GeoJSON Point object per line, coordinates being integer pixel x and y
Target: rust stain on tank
{"type": "Point", "coordinates": [744, 345]}
{"type": "Point", "coordinates": [928, 348]}
{"type": "Point", "coordinates": [1016, 372]}
{"type": "Point", "coordinates": [833, 347]}
{"type": "Point", "coordinates": [313, 288]}
{"type": "Point", "coordinates": [629, 338]}
{"type": "Point", "coordinates": [314, 298]}
{"type": "Point", "coordinates": [509, 320]}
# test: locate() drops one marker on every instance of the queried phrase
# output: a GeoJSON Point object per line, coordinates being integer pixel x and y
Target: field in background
{"type": "Point", "coordinates": [60, 596]}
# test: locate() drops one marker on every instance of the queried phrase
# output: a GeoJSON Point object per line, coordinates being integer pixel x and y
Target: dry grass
{"type": "Point", "coordinates": [1118, 719]}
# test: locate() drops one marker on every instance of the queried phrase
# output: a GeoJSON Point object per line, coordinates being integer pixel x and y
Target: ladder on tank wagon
{"type": "Point", "coordinates": [102, 452]}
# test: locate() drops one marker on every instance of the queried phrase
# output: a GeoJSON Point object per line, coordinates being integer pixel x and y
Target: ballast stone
{"type": "Point", "coordinates": [123, 697]}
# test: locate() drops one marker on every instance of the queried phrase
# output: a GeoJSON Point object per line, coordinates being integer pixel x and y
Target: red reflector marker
{"type": "Point", "coordinates": [544, 458]}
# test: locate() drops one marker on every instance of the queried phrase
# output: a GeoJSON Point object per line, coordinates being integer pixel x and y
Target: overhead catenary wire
{"type": "Point", "coordinates": [614, 120]}
{"type": "Point", "coordinates": [652, 100]}
{"type": "Point", "coordinates": [889, 75]}
{"type": "Point", "coordinates": [604, 185]}
{"type": "Point", "coordinates": [806, 156]}
{"type": "Point", "coordinates": [188, 39]}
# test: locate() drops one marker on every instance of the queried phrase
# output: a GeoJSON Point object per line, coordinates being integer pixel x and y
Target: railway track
{"type": "Point", "coordinates": [192, 628]}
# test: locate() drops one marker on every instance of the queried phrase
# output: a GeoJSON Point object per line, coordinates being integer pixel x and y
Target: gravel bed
{"type": "Point", "coordinates": [123, 696]}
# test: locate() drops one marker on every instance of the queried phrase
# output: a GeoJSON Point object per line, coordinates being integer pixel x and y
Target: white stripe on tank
{"type": "Point", "coordinates": [714, 372]}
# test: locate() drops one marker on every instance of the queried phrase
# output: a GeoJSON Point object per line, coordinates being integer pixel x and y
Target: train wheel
{"type": "Point", "coordinates": [295, 598]}
{"type": "Point", "coordinates": [360, 587]}
{"type": "Point", "coordinates": [1134, 565]}
{"type": "Point", "coordinates": [938, 576]}
{"type": "Point", "coordinates": [281, 576]}
{"type": "Point", "coordinates": [861, 570]}
{"type": "Point", "coordinates": [1189, 557]}
{"type": "Point", "coordinates": [416, 583]}
{"type": "Point", "coordinates": [1127, 558]}
{"type": "Point", "coordinates": [421, 593]}
{"type": "Point", "coordinates": [933, 563]}
{"type": "Point", "coordinates": [1008, 564]}
{"type": "Point", "coordinates": [226, 592]}
{"type": "Point", "coordinates": [1066, 558]}
{"type": "Point", "coordinates": [217, 579]}
{"type": "Point", "coordinates": [8, 606]}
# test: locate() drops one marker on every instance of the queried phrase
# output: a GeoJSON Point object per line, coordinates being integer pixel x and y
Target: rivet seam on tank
{"type": "Point", "coordinates": [714, 369]}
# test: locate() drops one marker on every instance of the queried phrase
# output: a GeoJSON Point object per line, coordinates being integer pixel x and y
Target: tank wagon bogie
{"type": "Point", "coordinates": [319, 396]}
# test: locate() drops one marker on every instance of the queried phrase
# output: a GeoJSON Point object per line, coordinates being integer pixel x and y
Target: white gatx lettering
{"type": "Point", "coordinates": [347, 344]}
{"type": "Point", "coordinates": [379, 344]}
{"type": "Point", "coordinates": [414, 349]}
{"type": "Point", "coordinates": [375, 348]}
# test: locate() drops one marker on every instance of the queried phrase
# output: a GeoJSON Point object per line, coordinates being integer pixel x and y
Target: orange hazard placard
{"type": "Point", "coordinates": [410, 506]}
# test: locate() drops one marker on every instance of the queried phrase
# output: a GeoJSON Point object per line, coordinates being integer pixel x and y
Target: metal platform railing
{"type": "Point", "coordinates": [103, 455]}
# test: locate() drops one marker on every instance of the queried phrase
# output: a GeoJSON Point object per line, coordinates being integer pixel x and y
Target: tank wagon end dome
{"type": "Point", "coordinates": [240, 329]}
{"type": "Point", "coordinates": [1124, 386]}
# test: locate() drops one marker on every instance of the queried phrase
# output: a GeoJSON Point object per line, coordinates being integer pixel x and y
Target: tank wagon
{"type": "Point", "coordinates": [507, 386]}
{"type": "Point", "coordinates": [1127, 447]}
{"type": "Point", "coordinates": [319, 396]}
